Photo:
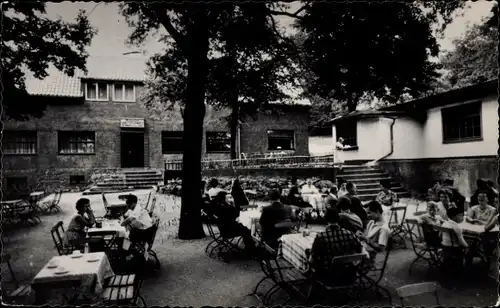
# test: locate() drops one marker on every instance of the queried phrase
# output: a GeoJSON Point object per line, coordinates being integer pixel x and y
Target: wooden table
{"type": "Point", "coordinates": [86, 272]}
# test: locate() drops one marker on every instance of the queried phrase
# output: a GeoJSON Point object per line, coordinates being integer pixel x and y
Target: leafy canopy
{"type": "Point", "coordinates": [31, 42]}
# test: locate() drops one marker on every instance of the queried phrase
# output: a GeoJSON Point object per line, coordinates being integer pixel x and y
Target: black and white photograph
{"type": "Point", "coordinates": [250, 153]}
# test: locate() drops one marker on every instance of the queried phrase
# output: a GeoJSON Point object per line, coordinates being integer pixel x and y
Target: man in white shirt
{"type": "Point", "coordinates": [453, 248]}
{"type": "Point", "coordinates": [377, 232]}
{"type": "Point", "coordinates": [214, 189]}
{"type": "Point", "coordinates": [136, 217]}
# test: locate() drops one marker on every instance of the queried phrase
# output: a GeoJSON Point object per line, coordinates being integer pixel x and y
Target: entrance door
{"type": "Point", "coordinates": [132, 149]}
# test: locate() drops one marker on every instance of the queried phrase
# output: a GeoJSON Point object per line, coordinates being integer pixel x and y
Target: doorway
{"type": "Point", "coordinates": [132, 149]}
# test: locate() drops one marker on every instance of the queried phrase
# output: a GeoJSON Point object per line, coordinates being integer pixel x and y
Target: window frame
{"type": "Point", "coordinates": [448, 116]}
{"type": "Point", "coordinates": [281, 130]}
{"type": "Point", "coordinates": [75, 132]}
{"type": "Point", "coordinates": [76, 175]}
{"type": "Point", "coordinates": [163, 136]}
{"type": "Point", "coordinates": [123, 100]}
{"type": "Point", "coordinates": [216, 151]}
{"type": "Point", "coordinates": [97, 99]}
{"type": "Point", "coordinates": [20, 132]}
{"type": "Point", "coordinates": [354, 124]}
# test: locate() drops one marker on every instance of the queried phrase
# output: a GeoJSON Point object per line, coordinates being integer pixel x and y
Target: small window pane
{"type": "Point", "coordinates": [348, 131]}
{"type": "Point", "coordinates": [462, 123]}
{"type": "Point", "coordinates": [76, 142]}
{"type": "Point", "coordinates": [19, 142]}
{"type": "Point", "coordinates": [171, 142]}
{"type": "Point", "coordinates": [218, 142]}
{"type": "Point", "coordinates": [118, 92]}
{"type": "Point", "coordinates": [129, 93]}
{"type": "Point", "coordinates": [91, 90]}
{"type": "Point", "coordinates": [103, 90]}
{"type": "Point", "coordinates": [280, 140]}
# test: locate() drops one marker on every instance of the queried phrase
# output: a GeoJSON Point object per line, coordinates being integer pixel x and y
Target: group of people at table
{"type": "Point", "coordinates": [136, 220]}
{"type": "Point", "coordinates": [351, 226]}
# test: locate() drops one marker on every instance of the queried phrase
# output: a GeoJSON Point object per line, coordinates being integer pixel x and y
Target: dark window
{"type": "Point", "coordinates": [461, 123]}
{"type": "Point", "coordinates": [76, 179]}
{"type": "Point", "coordinates": [81, 142]}
{"type": "Point", "coordinates": [218, 142]}
{"type": "Point", "coordinates": [171, 142]}
{"type": "Point", "coordinates": [19, 142]}
{"type": "Point", "coordinates": [16, 187]}
{"type": "Point", "coordinates": [280, 140]}
{"type": "Point", "coordinates": [348, 131]}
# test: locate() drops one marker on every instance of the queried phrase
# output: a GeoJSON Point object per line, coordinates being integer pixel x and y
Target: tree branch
{"type": "Point", "coordinates": [292, 15]}
{"type": "Point", "coordinates": [167, 23]}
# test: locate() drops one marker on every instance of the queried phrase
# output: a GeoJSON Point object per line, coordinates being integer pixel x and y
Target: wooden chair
{"type": "Point", "coordinates": [123, 290]}
{"type": "Point", "coordinates": [57, 233]}
{"type": "Point", "coordinates": [53, 205]}
{"type": "Point", "coordinates": [453, 253]}
{"type": "Point", "coordinates": [422, 250]}
{"type": "Point", "coordinates": [214, 235]}
{"type": "Point", "coordinates": [22, 291]}
{"type": "Point", "coordinates": [396, 222]}
{"type": "Point", "coordinates": [418, 289]}
{"type": "Point", "coordinates": [152, 207]}
{"type": "Point", "coordinates": [372, 273]}
{"type": "Point", "coordinates": [147, 202]}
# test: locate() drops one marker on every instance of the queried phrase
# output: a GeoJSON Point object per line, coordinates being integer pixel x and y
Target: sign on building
{"type": "Point", "coordinates": [132, 123]}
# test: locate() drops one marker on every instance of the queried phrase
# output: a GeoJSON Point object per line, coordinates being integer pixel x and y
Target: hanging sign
{"type": "Point", "coordinates": [132, 123]}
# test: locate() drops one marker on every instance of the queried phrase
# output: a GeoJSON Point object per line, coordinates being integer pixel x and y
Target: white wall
{"type": "Point", "coordinates": [414, 140]}
{"type": "Point", "coordinates": [320, 145]}
{"type": "Point", "coordinates": [488, 146]}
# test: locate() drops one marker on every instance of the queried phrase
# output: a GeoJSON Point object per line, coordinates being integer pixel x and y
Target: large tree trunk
{"type": "Point", "coordinates": [190, 224]}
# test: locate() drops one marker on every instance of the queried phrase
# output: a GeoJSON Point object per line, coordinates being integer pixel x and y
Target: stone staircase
{"type": "Point", "coordinates": [367, 180]}
{"type": "Point", "coordinates": [126, 179]}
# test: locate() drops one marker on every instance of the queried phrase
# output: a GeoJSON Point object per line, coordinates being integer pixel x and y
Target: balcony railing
{"type": "Point", "coordinates": [253, 163]}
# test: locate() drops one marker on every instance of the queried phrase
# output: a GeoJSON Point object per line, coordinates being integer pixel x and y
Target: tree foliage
{"type": "Point", "coordinates": [474, 58]}
{"type": "Point", "coordinates": [31, 42]}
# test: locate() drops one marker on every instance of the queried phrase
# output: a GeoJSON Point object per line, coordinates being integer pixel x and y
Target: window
{"type": "Point", "coordinates": [77, 179]}
{"type": "Point", "coordinates": [462, 123]}
{"type": "Point", "coordinates": [19, 142]}
{"type": "Point", "coordinates": [123, 92]}
{"type": "Point", "coordinates": [218, 142]}
{"type": "Point", "coordinates": [280, 140]}
{"type": "Point", "coordinates": [171, 142]}
{"type": "Point", "coordinates": [348, 131]}
{"type": "Point", "coordinates": [96, 91]}
{"type": "Point", "coordinates": [76, 142]}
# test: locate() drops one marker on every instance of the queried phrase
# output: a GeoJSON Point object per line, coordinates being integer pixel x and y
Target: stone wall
{"type": "Point", "coordinates": [419, 175]}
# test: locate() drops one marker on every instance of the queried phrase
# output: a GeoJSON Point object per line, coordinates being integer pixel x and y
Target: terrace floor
{"type": "Point", "coordinates": [189, 278]}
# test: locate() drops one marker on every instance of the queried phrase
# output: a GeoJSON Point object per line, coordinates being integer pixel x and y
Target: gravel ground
{"type": "Point", "coordinates": [189, 278]}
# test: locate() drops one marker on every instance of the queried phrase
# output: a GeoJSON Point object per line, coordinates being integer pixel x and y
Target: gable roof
{"type": "Point", "coordinates": [368, 113]}
{"type": "Point", "coordinates": [132, 69]}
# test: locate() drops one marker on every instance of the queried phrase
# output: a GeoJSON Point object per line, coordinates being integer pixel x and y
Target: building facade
{"type": "Point", "coordinates": [96, 122]}
{"type": "Point", "coordinates": [449, 135]}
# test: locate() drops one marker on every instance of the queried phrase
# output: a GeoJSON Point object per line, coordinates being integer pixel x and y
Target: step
{"type": "Point", "coordinates": [359, 170]}
{"type": "Point", "coordinates": [362, 175]}
{"type": "Point", "coordinates": [374, 185]}
{"type": "Point", "coordinates": [364, 197]}
{"type": "Point", "coordinates": [149, 183]}
{"type": "Point", "coordinates": [155, 179]}
{"type": "Point", "coordinates": [129, 172]}
{"type": "Point", "coordinates": [376, 190]}
{"type": "Point", "coordinates": [368, 180]}
{"type": "Point", "coordinates": [142, 175]}
{"type": "Point", "coordinates": [94, 191]}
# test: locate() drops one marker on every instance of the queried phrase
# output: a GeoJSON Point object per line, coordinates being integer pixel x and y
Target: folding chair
{"type": "Point", "coordinates": [152, 207]}
{"type": "Point", "coordinates": [351, 264]}
{"type": "Point", "coordinates": [57, 232]}
{"type": "Point", "coordinates": [372, 274]}
{"type": "Point", "coordinates": [228, 242]}
{"type": "Point", "coordinates": [147, 202]}
{"type": "Point", "coordinates": [22, 290]}
{"type": "Point", "coordinates": [453, 253]}
{"type": "Point", "coordinates": [412, 290]}
{"type": "Point", "coordinates": [108, 214]}
{"type": "Point", "coordinates": [119, 291]}
{"type": "Point", "coordinates": [151, 239]}
{"type": "Point", "coordinates": [26, 212]}
{"type": "Point", "coordinates": [215, 236]}
{"type": "Point", "coordinates": [396, 224]}
{"type": "Point", "coordinates": [422, 250]}
{"type": "Point", "coordinates": [53, 205]}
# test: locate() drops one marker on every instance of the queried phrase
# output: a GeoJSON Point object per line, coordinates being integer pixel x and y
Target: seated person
{"type": "Point", "coordinates": [482, 212]}
{"type": "Point", "coordinates": [445, 196]}
{"type": "Point", "coordinates": [356, 205]}
{"type": "Point", "coordinates": [331, 199]}
{"type": "Point", "coordinates": [432, 193]}
{"type": "Point", "coordinates": [75, 234]}
{"type": "Point", "coordinates": [386, 196]}
{"type": "Point", "coordinates": [431, 217]}
{"type": "Point", "coordinates": [457, 197]}
{"type": "Point", "coordinates": [137, 220]}
{"type": "Point", "coordinates": [376, 233]}
{"type": "Point", "coordinates": [214, 188]}
{"type": "Point", "coordinates": [272, 215]}
{"type": "Point", "coordinates": [227, 214]}
{"type": "Point", "coordinates": [294, 197]}
{"type": "Point", "coordinates": [311, 194]}
{"type": "Point", "coordinates": [348, 220]}
{"type": "Point", "coordinates": [482, 185]}
{"type": "Point", "coordinates": [334, 241]}
{"type": "Point", "coordinates": [453, 247]}
{"type": "Point", "coordinates": [239, 197]}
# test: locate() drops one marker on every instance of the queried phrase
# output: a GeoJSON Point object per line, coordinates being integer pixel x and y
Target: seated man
{"type": "Point", "coordinates": [431, 217]}
{"type": "Point", "coordinates": [356, 205]}
{"type": "Point", "coordinates": [334, 241]}
{"type": "Point", "coordinates": [214, 188]}
{"type": "Point", "coordinates": [386, 196]}
{"type": "Point", "coordinates": [272, 215]}
{"type": "Point", "coordinates": [453, 247]}
{"type": "Point", "coordinates": [228, 227]}
{"type": "Point", "coordinates": [332, 199]}
{"type": "Point", "coordinates": [348, 220]}
{"type": "Point", "coordinates": [377, 233]}
{"type": "Point", "coordinates": [137, 220]}
{"type": "Point", "coordinates": [482, 212]}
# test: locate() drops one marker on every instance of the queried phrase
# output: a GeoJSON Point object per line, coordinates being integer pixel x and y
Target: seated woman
{"type": "Point", "coordinates": [386, 197]}
{"type": "Point", "coordinates": [445, 203]}
{"type": "Point", "coordinates": [482, 212]}
{"type": "Point", "coordinates": [239, 197]}
{"type": "Point", "coordinates": [294, 197]}
{"type": "Point", "coordinates": [453, 244]}
{"type": "Point", "coordinates": [311, 195]}
{"type": "Point", "coordinates": [75, 234]}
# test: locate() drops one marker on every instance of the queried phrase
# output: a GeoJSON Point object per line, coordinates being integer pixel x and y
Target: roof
{"type": "Point", "coordinates": [369, 113]}
{"type": "Point", "coordinates": [475, 91]}
{"type": "Point", "coordinates": [132, 69]}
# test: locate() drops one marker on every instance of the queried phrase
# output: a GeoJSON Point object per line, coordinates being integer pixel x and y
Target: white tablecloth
{"type": "Point", "coordinates": [249, 218]}
{"type": "Point", "coordinates": [112, 225]}
{"type": "Point", "coordinates": [78, 269]}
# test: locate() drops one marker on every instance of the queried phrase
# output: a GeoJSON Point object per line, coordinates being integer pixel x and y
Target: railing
{"type": "Point", "coordinates": [252, 163]}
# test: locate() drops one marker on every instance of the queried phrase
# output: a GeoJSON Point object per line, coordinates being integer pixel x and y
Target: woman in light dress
{"type": "Point", "coordinates": [311, 195]}
{"type": "Point", "coordinates": [339, 152]}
